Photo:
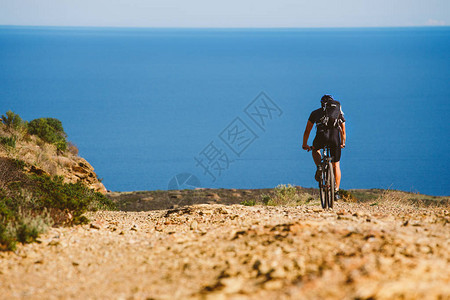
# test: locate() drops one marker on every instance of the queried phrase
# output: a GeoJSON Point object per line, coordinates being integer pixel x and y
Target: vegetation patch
{"type": "Point", "coordinates": [8, 141]}
{"type": "Point", "coordinates": [30, 205]}
{"type": "Point", "coordinates": [30, 199]}
{"type": "Point", "coordinates": [250, 202]}
{"type": "Point", "coordinates": [50, 130]}
{"type": "Point", "coordinates": [347, 196]}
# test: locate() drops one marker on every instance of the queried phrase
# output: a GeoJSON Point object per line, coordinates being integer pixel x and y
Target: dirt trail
{"type": "Point", "coordinates": [238, 252]}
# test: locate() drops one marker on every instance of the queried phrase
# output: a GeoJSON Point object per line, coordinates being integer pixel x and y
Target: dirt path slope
{"type": "Point", "coordinates": [238, 252]}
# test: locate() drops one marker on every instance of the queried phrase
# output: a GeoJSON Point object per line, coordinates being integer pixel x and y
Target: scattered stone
{"type": "Point", "coordinates": [222, 210]}
{"type": "Point", "coordinates": [194, 225]}
{"type": "Point", "coordinates": [273, 285]}
{"type": "Point", "coordinates": [95, 226]}
{"type": "Point", "coordinates": [53, 243]}
{"type": "Point", "coordinates": [341, 212]}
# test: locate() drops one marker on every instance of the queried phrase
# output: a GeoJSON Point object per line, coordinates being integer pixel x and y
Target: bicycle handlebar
{"type": "Point", "coordinates": [310, 148]}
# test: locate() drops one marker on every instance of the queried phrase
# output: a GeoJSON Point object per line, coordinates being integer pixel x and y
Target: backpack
{"type": "Point", "coordinates": [332, 112]}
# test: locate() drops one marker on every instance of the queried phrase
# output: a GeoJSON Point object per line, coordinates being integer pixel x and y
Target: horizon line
{"type": "Point", "coordinates": [217, 27]}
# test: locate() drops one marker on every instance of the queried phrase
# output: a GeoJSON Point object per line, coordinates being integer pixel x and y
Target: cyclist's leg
{"type": "Point", "coordinates": [316, 156]}
{"type": "Point", "coordinates": [318, 144]}
{"type": "Point", "coordinates": [336, 153]}
{"type": "Point", "coordinates": [337, 173]}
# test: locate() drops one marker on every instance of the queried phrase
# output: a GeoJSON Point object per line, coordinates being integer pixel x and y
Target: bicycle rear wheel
{"type": "Point", "coordinates": [323, 189]}
{"type": "Point", "coordinates": [330, 185]}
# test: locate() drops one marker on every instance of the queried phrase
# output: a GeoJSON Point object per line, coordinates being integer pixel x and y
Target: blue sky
{"type": "Point", "coordinates": [227, 13]}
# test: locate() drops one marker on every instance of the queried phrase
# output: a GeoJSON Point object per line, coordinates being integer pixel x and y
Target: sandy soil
{"type": "Point", "coordinates": [214, 251]}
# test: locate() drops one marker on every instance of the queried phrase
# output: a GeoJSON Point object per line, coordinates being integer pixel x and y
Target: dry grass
{"type": "Point", "coordinates": [404, 199]}
{"type": "Point", "coordinates": [285, 195]}
{"type": "Point", "coordinates": [72, 148]}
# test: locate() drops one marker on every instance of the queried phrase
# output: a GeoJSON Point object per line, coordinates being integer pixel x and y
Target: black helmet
{"type": "Point", "coordinates": [326, 98]}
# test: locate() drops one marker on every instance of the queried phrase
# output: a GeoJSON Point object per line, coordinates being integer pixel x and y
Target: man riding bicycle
{"type": "Point", "coordinates": [330, 131]}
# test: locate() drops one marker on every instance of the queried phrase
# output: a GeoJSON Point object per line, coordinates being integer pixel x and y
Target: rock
{"type": "Point", "coordinates": [80, 171]}
{"type": "Point", "coordinates": [95, 226]}
{"type": "Point", "coordinates": [221, 210]}
{"type": "Point", "coordinates": [38, 171]}
{"type": "Point", "coordinates": [273, 285]}
{"type": "Point", "coordinates": [205, 212]}
{"type": "Point", "coordinates": [232, 285]}
{"type": "Point", "coordinates": [53, 243]}
{"type": "Point", "coordinates": [341, 212]}
{"type": "Point", "coordinates": [134, 227]}
{"type": "Point", "coordinates": [194, 225]}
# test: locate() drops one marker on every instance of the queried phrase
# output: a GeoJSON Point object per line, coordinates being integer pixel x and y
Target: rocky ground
{"type": "Point", "coordinates": [216, 251]}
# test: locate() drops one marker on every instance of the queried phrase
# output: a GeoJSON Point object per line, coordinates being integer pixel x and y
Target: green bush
{"type": "Point", "coordinates": [76, 198]}
{"type": "Point", "coordinates": [28, 207]}
{"type": "Point", "coordinates": [7, 238]}
{"type": "Point", "coordinates": [249, 202]}
{"type": "Point", "coordinates": [8, 141]}
{"type": "Point", "coordinates": [12, 120]}
{"type": "Point", "coordinates": [49, 130]}
{"type": "Point", "coordinates": [265, 198]}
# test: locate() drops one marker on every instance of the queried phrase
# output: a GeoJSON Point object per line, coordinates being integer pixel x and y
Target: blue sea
{"type": "Point", "coordinates": [227, 107]}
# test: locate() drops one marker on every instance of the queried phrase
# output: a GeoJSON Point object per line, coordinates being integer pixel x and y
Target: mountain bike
{"type": "Point", "coordinates": [326, 182]}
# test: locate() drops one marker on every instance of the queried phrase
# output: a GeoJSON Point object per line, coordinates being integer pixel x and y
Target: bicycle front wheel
{"type": "Point", "coordinates": [330, 185]}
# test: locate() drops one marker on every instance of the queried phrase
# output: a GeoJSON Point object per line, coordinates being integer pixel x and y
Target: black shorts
{"type": "Point", "coordinates": [330, 138]}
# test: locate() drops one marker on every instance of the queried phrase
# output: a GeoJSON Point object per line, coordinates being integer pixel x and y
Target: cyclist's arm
{"type": "Point", "coordinates": [343, 137]}
{"type": "Point", "coordinates": [308, 128]}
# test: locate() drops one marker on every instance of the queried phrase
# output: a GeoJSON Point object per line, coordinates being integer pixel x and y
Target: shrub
{"type": "Point", "coordinates": [7, 238]}
{"type": "Point", "coordinates": [283, 195]}
{"type": "Point", "coordinates": [49, 130]}
{"type": "Point", "coordinates": [29, 206]}
{"type": "Point", "coordinates": [20, 221]}
{"type": "Point", "coordinates": [265, 198]}
{"type": "Point", "coordinates": [249, 202]}
{"type": "Point", "coordinates": [12, 120]}
{"type": "Point", "coordinates": [76, 198]}
{"type": "Point", "coordinates": [347, 196]}
{"type": "Point", "coordinates": [29, 228]}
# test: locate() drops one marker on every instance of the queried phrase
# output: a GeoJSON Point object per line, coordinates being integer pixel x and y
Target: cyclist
{"type": "Point", "coordinates": [326, 135]}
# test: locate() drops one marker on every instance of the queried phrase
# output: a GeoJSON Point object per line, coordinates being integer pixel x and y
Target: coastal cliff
{"type": "Point", "coordinates": [42, 155]}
